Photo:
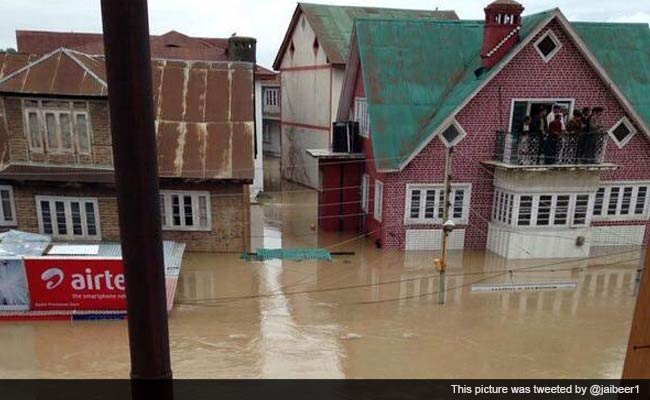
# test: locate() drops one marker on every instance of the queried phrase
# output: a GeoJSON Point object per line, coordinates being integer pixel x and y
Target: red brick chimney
{"type": "Point", "coordinates": [502, 25]}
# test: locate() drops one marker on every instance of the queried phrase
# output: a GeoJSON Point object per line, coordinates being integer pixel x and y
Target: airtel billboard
{"type": "Point", "coordinates": [76, 283]}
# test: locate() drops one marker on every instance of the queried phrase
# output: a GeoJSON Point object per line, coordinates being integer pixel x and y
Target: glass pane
{"type": "Point", "coordinates": [46, 217]}
{"type": "Point", "coordinates": [82, 133]}
{"type": "Point", "coordinates": [544, 210]}
{"type": "Point", "coordinates": [59, 208]}
{"type": "Point", "coordinates": [91, 221]}
{"type": "Point", "coordinates": [203, 211]}
{"type": "Point", "coordinates": [511, 199]}
{"type": "Point", "coordinates": [430, 204]}
{"type": "Point", "coordinates": [441, 203]}
{"type": "Point", "coordinates": [7, 213]}
{"type": "Point", "coordinates": [75, 209]}
{"type": "Point", "coordinates": [34, 130]}
{"type": "Point", "coordinates": [580, 214]}
{"type": "Point", "coordinates": [187, 205]}
{"type": "Point", "coordinates": [459, 196]}
{"type": "Point", "coordinates": [66, 131]}
{"type": "Point", "coordinates": [626, 202]}
{"type": "Point", "coordinates": [176, 211]}
{"type": "Point", "coordinates": [525, 210]}
{"type": "Point", "coordinates": [50, 126]}
{"type": "Point", "coordinates": [613, 201]}
{"type": "Point", "coordinates": [415, 204]}
{"type": "Point", "coordinates": [561, 210]}
{"type": "Point", "coordinates": [640, 200]}
{"type": "Point", "coordinates": [598, 203]}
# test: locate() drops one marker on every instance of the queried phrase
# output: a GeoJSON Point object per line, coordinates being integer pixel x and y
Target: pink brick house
{"type": "Point", "coordinates": [420, 87]}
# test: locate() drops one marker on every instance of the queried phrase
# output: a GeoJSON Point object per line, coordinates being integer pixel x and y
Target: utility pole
{"type": "Point", "coordinates": [637, 360]}
{"type": "Point", "coordinates": [128, 69]}
{"type": "Point", "coordinates": [447, 226]}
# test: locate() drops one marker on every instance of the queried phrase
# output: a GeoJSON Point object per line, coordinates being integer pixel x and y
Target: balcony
{"type": "Point", "coordinates": [271, 100]}
{"type": "Point", "coordinates": [514, 150]}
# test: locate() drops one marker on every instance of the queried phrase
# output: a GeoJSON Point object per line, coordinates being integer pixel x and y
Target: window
{"type": "Point", "coordinates": [425, 203]}
{"type": "Point", "coordinates": [548, 45]}
{"type": "Point", "coordinates": [57, 126]}
{"type": "Point", "coordinates": [361, 116]}
{"type": "Point", "coordinates": [68, 217]}
{"type": "Point", "coordinates": [266, 133]}
{"type": "Point", "coordinates": [622, 201]}
{"type": "Point", "coordinates": [185, 211]}
{"type": "Point", "coordinates": [379, 199]}
{"type": "Point", "coordinates": [315, 46]}
{"type": "Point", "coordinates": [541, 210]}
{"type": "Point", "coordinates": [622, 132]}
{"type": "Point", "coordinates": [8, 208]}
{"type": "Point", "coordinates": [453, 134]}
{"type": "Point", "coordinates": [365, 183]}
{"type": "Point", "coordinates": [272, 97]}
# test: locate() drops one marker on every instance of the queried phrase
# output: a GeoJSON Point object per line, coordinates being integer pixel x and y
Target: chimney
{"type": "Point", "coordinates": [501, 34]}
{"type": "Point", "coordinates": [241, 49]}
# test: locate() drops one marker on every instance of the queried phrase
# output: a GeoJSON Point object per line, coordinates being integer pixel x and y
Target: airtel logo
{"type": "Point", "coordinates": [53, 278]}
{"type": "Point", "coordinates": [88, 281]}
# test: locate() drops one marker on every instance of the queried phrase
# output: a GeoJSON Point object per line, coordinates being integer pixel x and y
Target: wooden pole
{"type": "Point", "coordinates": [445, 217]}
{"type": "Point", "coordinates": [637, 360]}
{"type": "Point", "coordinates": [128, 69]}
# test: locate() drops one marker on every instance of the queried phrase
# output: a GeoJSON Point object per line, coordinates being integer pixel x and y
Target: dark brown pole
{"type": "Point", "coordinates": [128, 68]}
{"type": "Point", "coordinates": [637, 360]}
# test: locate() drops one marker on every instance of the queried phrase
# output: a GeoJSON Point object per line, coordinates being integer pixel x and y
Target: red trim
{"type": "Point", "coordinates": [298, 124]}
{"type": "Point", "coordinates": [307, 68]}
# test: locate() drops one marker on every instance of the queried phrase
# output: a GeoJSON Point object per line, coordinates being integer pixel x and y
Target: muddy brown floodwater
{"type": "Point", "coordinates": [372, 315]}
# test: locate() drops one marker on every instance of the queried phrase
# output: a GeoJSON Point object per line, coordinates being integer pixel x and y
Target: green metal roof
{"type": "Point", "coordinates": [624, 52]}
{"type": "Point", "coordinates": [416, 73]}
{"type": "Point", "coordinates": [333, 24]}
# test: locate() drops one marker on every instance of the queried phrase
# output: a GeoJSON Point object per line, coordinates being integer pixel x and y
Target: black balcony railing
{"type": "Point", "coordinates": [516, 148]}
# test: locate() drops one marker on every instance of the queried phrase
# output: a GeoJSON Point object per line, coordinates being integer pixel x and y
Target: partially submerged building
{"type": "Point", "coordinates": [172, 45]}
{"type": "Point", "coordinates": [420, 87]}
{"type": "Point", "coordinates": [56, 165]}
{"type": "Point", "coordinates": [312, 61]}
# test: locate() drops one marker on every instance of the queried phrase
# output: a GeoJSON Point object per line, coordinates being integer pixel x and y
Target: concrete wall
{"type": "Point", "coordinates": [310, 88]}
{"type": "Point", "coordinates": [258, 162]}
{"type": "Point", "coordinates": [229, 206]}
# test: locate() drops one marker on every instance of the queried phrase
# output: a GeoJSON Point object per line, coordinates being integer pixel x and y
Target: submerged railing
{"type": "Point", "coordinates": [518, 148]}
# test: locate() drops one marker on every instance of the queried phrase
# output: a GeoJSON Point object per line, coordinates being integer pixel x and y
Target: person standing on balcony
{"type": "Point", "coordinates": [557, 110]}
{"type": "Point", "coordinates": [555, 129]}
{"type": "Point", "coordinates": [573, 144]}
{"type": "Point", "coordinates": [538, 130]}
{"type": "Point", "coordinates": [592, 136]}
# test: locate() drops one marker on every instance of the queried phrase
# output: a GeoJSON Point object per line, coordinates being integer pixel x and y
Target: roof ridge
{"type": "Point", "coordinates": [420, 20]}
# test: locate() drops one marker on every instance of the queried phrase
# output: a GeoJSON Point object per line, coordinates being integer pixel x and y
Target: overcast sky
{"type": "Point", "coordinates": [264, 19]}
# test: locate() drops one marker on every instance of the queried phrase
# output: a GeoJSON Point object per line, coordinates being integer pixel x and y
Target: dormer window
{"type": "Point", "coordinates": [548, 45]}
{"type": "Point", "coordinates": [57, 127]}
{"type": "Point", "coordinates": [622, 132]}
{"type": "Point", "coordinates": [453, 134]}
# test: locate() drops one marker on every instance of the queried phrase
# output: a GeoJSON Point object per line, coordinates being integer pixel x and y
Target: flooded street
{"type": "Point", "coordinates": [371, 315]}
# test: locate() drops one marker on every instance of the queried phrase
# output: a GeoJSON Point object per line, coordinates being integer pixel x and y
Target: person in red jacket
{"type": "Point", "coordinates": [555, 129]}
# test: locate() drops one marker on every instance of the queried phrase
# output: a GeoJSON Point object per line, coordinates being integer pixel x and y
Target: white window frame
{"type": "Point", "coordinates": [500, 209]}
{"type": "Point", "coordinates": [459, 128]}
{"type": "Point", "coordinates": [12, 204]}
{"type": "Point", "coordinates": [532, 100]}
{"type": "Point", "coordinates": [365, 191]}
{"type": "Point", "coordinates": [549, 33]}
{"type": "Point", "coordinates": [439, 191]}
{"type": "Point", "coordinates": [361, 116]}
{"type": "Point", "coordinates": [379, 200]}
{"type": "Point", "coordinates": [67, 200]}
{"type": "Point", "coordinates": [629, 137]}
{"type": "Point", "coordinates": [167, 218]}
{"type": "Point", "coordinates": [605, 216]}
{"type": "Point", "coordinates": [44, 146]}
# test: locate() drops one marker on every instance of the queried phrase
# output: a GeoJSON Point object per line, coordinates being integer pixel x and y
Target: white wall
{"type": "Point", "coordinates": [538, 243]}
{"type": "Point", "coordinates": [258, 180]}
{"type": "Point", "coordinates": [431, 239]}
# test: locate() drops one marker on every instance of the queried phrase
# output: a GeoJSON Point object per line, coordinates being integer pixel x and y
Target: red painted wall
{"type": "Point", "coordinates": [339, 206]}
{"type": "Point", "coordinates": [566, 75]}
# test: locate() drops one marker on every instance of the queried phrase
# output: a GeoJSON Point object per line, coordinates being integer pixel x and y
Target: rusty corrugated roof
{"type": "Point", "coordinates": [204, 110]}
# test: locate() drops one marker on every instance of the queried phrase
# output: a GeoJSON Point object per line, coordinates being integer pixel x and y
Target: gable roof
{"type": "Point", "coordinates": [62, 72]}
{"type": "Point", "coordinates": [333, 25]}
{"type": "Point", "coordinates": [401, 59]}
{"type": "Point", "coordinates": [204, 110]}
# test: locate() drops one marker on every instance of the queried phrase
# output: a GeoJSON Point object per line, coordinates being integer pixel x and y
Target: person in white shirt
{"type": "Point", "coordinates": [551, 116]}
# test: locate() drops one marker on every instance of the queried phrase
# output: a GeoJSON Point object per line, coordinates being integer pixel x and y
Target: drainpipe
{"type": "Point", "coordinates": [128, 68]}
